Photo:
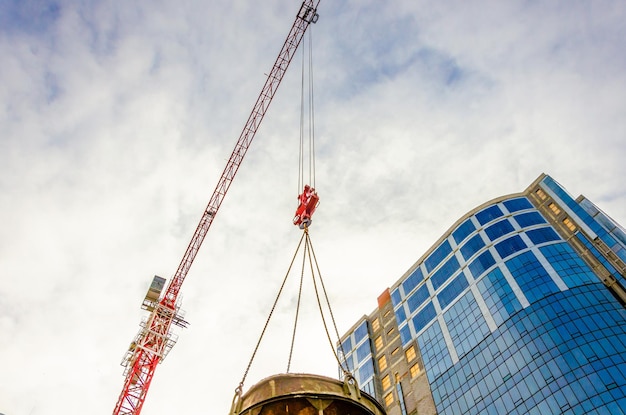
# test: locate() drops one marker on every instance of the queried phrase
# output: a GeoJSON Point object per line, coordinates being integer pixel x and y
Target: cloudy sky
{"type": "Point", "coordinates": [117, 118]}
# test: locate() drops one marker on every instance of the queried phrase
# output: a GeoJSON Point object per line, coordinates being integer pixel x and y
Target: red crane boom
{"type": "Point", "coordinates": [154, 339]}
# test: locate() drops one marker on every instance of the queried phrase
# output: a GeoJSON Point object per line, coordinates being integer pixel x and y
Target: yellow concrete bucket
{"type": "Point", "coordinates": [305, 394]}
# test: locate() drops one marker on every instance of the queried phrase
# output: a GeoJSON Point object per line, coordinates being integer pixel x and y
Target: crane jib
{"type": "Point", "coordinates": [154, 339]}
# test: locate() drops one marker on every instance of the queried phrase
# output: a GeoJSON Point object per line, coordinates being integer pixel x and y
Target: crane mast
{"type": "Point", "coordinates": [155, 339]}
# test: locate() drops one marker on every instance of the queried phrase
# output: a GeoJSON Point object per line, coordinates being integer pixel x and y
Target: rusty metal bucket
{"type": "Point", "coordinates": [305, 394]}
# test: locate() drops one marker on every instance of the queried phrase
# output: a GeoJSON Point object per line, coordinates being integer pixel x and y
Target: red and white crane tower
{"type": "Point", "coordinates": [155, 339]}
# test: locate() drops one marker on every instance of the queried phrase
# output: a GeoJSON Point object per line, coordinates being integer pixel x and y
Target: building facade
{"type": "Point", "coordinates": [519, 308]}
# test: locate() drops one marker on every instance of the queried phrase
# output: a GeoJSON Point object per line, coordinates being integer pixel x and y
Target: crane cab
{"type": "Point", "coordinates": [153, 294]}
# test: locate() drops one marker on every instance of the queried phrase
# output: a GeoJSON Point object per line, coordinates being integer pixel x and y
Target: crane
{"type": "Point", "coordinates": [155, 339]}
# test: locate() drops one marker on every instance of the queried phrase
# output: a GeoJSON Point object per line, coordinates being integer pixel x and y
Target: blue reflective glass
{"type": "Point", "coordinates": [520, 203]}
{"type": "Point", "coordinates": [363, 351]}
{"type": "Point", "coordinates": [596, 253]}
{"type": "Point", "coordinates": [445, 272]}
{"type": "Point", "coordinates": [574, 206]}
{"type": "Point", "coordinates": [570, 267]}
{"type": "Point", "coordinates": [562, 355]}
{"type": "Point", "coordinates": [498, 296]}
{"type": "Point", "coordinates": [510, 246]}
{"type": "Point", "coordinates": [405, 335]}
{"type": "Point", "coordinates": [542, 235]}
{"type": "Point", "coordinates": [366, 371]}
{"type": "Point", "coordinates": [434, 351]}
{"type": "Point", "coordinates": [489, 214]}
{"type": "Point", "coordinates": [620, 235]}
{"type": "Point", "coordinates": [529, 219]}
{"type": "Point", "coordinates": [360, 332]}
{"type": "Point", "coordinates": [463, 231]}
{"type": "Point", "coordinates": [368, 387]}
{"type": "Point", "coordinates": [347, 345]}
{"type": "Point", "coordinates": [498, 229]}
{"type": "Point", "coordinates": [481, 264]}
{"type": "Point", "coordinates": [472, 246]}
{"type": "Point", "coordinates": [424, 317]}
{"type": "Point", "coordinates": [531, 276]}
{"type": "Point", "coordinates": [438, 255]}
{"type": "Point", "coordinates": [418, 298]}
{"type": "Point", "coordinates": [350, 363]}
{"type": "Point", "coordinates": [396, 297]}
{"type": "Point", "coordinates": [412, 281]}
{"type": "Point", "coordinates": [452, 290]}
{"type": "Point", "coordinates": [466, 324]}
{"type": "Point", "coordinates": [400, 315]}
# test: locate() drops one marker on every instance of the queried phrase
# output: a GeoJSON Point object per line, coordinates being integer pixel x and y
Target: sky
{"type": "Point", "coordinates": [117, 119]}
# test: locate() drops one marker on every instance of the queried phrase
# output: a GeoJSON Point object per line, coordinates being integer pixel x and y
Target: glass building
{"type": "Point", "coordinates": [519, 308]}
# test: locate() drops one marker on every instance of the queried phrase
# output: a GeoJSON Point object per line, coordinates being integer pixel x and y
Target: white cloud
{"type": "Point", "coordinates": [117, 119]}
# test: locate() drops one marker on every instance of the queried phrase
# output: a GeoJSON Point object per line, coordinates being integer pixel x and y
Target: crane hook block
{"type": "Point", "coordinates": [308, 201]}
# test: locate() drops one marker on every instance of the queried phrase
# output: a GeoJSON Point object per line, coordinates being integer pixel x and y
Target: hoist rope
{"type": "Point", "coordinates": [307, 120]}
{"type": "Point", "coordinates": [311, 114]}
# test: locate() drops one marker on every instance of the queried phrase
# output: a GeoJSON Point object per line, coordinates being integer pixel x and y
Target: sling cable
{"type": "Point", "coordinates": [297, 393]}
{"type": "Point", "coordinates": [308, 200]}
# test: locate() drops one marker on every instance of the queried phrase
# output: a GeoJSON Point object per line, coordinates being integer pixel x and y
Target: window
{"type": "Point", "coordinates": [415, 370]}
{"type": "Point", "coordinates": [375, 324]}
{"type": "Point", "coordinates": [438, 255]}
{"type": "Point", "coordinates": [418, 298]}
{"type": "Point", "coordinates": [554, 208]}
{"type": "Point", "coordinates": [466, 324]}
{"type": "Point", "coordinates": [412, 280]}
{"type": "Point", "coordinates": [529, 219]}
{"type": "Point", "coordinates": [346, 345]}
{"type": "Point", "coordinates": [570, 225]}
{"type": "Point", "coordinates": [452, 291]}
{"type": "Point", "coordinates": [541, 194]}
{"type": "Point", "coordinates": [369, 387]}
{"type": "Point", "coordinates": [410, 353]}
{"type": "Point", "coordinates": [498, 296]}
{"type": "Point", "coordinates": [386, 313]}
{"type": "Point", "coordinates": [531, 276]}
{"type": "Point", "coordinates": [382, 363]}
{"type": "Point", "coordinates": [405, 335]}
{"type": "Point", "coordinates": [386, 381]}
{"type": "Point", "coordinates": [390, 332]}
{"type": "Point", "coordinates": [395, 351]}
{"type": "Point", "coordinates": [366, 371]}
{"type": "Point", "coordinates": [510, 246]}
{"type": "Point", "coordinates": [378, 343]}
{"type": "Point", "coordinates": [360, 332]}
{"type": "Point", "coordinates": [481, 264]}
{"type": "Point", "coordinates": [424, 317]}
{"type": "Point", "coordinates": [389, 398]}
{"type": "Point", "coordinates": [396, 297]}
{"type": "Point", "coordinates": [498, 229]}
{"type": "Point", "coordinates": [445, 272]}
{"type": "Point", "coordinates": [541, 235]}
{"type": "Point", "coordinates": [463, 231]}
{"type": "Point", "coordinates": [489, 214]}
{"type": "Point", "coordinates": [514, 205]}
{"type": "Point", "coordinates": [472, 246]}
{"type": "Point", "coordinates": [400, 315]}
{"type": "Point", "coordinates": [363, 351]}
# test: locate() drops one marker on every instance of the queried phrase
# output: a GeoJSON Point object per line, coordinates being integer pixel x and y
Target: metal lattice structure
{"type": "Point", "coordinates": [155, 339]}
